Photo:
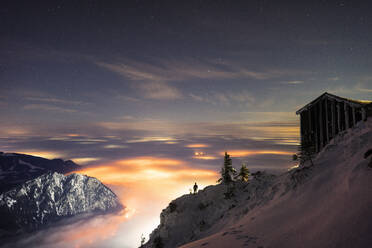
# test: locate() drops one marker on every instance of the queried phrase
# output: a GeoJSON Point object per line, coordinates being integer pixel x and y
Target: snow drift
{"type": "Point", "coordinates": [325, 205]}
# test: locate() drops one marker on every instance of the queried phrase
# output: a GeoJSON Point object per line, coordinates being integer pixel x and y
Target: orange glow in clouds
{"type": "Point", "coordinates": [85, 232]}
{"type": "Point", "coordinates": [205, 157]}
{"type": "Point", "coordinates": [202, 155]}
{"type": "Point", "coordinates": [144, 170]}
{"type": "Point", "coordinates": [42, 153]}
{"type": "Point", "coordinates": [160, 179]}
{"type": "Point", "coordinates": [197, 145]}
{"type": "Point", "coordinates": [144, 185]}
{"type": "Point", "coordinates": [246, 153]}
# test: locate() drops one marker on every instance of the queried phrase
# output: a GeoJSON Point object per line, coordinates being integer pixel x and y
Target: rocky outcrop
{"type": "Point", "coordinates": [45, 200]}
{"type": "Point", "coordinates": [194, 216]}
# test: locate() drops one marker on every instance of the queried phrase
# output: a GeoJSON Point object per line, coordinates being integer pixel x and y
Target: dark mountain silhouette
{"type": "Point", "coordinates": [16, 169]}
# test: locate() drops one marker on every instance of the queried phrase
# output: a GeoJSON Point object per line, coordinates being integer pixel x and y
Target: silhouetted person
{"type": "Point", "coordinates": [195, 188]}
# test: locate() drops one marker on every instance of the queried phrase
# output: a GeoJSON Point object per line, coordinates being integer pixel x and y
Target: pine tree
{"type": "Point", "coordinates": [306, 151]}
{"type": "Point", "coordinates": [227, 172]}
{"type": "Point", "coordinates": [243, 173]}
{"type": "Point", "coordinates": [143, 240]}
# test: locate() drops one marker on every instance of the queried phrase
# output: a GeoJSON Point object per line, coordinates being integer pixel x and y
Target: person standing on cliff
{"type": "Point", "coordinates": [195, 188]}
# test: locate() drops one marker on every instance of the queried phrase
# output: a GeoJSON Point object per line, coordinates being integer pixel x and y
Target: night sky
{"type": "Point", "coordinates": [165, 87]}
{"type": "Point", "coordinates": [98, 81]}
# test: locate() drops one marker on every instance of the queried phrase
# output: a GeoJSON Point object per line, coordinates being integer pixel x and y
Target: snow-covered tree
{"type": "Point", "coordinates": [227, 172]}
{"type": "Point", "coordinates": [306, 151]}
{"type": "Point", "coordinates": [143, 240]}
{"type": "Point", "coordinates": [243, 173]}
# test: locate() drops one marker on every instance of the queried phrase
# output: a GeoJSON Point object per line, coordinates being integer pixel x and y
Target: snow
{"type": "Point", "coordinates": [325, 205]}
{"type": "Point", "coordinates": [54, 196]}
{"type": "Point", "coordinates": [10, 202]}
{"type": "Point", "coordinates": [31, 166]}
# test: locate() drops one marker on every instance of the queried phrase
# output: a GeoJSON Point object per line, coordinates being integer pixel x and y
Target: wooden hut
{"type": "Point", "coordinates": [326, 116]}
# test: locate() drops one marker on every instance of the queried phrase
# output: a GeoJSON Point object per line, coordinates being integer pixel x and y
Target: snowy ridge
{"type": "Point", "coordinates": [325, 205]}
{"type": "Point", "coordinates": [49, 198]}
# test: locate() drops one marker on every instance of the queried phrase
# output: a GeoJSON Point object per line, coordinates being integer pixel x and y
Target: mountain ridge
{"type": "Point", "coordinates": [16, 168]}
{"type": "Point", "coordinates": [325, 205]}
{"type": "Point", "coordinates": [52, 197]}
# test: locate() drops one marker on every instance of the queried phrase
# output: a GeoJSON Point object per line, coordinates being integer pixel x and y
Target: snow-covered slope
{"type": "Point", "coordinates": [43, 201]}
{"type": "Point", "coordinates": [325, 205]}
{"type": "Point", "coordinates": [16, 168]}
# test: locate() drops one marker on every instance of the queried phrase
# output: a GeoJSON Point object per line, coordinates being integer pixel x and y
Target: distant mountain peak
{"type": "Point", "coordinates": [51, 197]}
{"type": "Point", "coordinates": [16, 168]}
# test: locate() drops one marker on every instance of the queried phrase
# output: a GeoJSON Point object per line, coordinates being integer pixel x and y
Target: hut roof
{"type": "Point", "coordinates": [358, 103]}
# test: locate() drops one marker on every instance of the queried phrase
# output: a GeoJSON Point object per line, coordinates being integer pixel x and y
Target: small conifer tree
{"type": "Point", "coordinates": [227, 172]}
{"type": "Point", "coordinates": [306, 151]}
{"type": "Point", "coordinates": [143, 240]}
{"type": "Point", "coordinates": [243, 173]}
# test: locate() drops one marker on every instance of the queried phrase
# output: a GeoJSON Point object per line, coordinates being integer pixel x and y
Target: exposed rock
{"type": "Point", "coordinates": [44, 201]}
{"type": "Point", "coordinates": [191, 216]}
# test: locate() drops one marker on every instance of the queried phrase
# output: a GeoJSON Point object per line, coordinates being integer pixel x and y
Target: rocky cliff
{"type": "Point", "coordinates": [47, 199]}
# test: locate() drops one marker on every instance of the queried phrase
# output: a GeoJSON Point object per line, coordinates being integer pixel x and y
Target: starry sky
{"type": "Point", "coordinates": [139, 92]}
{"type": "Point", "coordinates": [101, 81]}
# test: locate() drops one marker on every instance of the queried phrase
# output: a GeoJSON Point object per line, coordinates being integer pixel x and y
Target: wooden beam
{"type": "Point", "coordinates": [346, 116]}
{"type": "Point", "coordinates": [316, 127]}
{"type": "Point", "coordinates": [302, 126]}
{"type": "Point", "coordinates": [338, 117]}
{"type": "Point", "coordinates": [321, 131]}
{"type": "Point", "coordinates": [310, 127]}
{"type": "Point", "coordinates": [333, 119]}
{"type": "Point", "coordinates": [326, 120]}
{"type": "Point", "coordinates": [364, 114]}
{"type": "Point", "coordinates": [354, 117]}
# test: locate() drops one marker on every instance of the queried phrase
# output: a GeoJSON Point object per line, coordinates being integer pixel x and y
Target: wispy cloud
{"type": "Point", "coordinates": [84, 161]}
{"type": "Point", "coordinates": [155, 80]}
{"type": "Point", "coordinates": [46, 107]}
{"type": "Point", "coordinates": [348, 91]}
{"type": "Point", "coordinates": [160, 91]}
{"type": "Point", "coordinates": [294, 82]}
{"type": "Point", "coordinates": [125, 98]}
{"type": "Point", "coordinates": [197, 145]}
{"type": "Point", "coordinates": [13, 130]}
{"type": "Point", "coordinates": [40, 100]}
{"type": "Point", "coordinates": [49, 99]}
{"type": "Point", "coordinates": [365, 84]}
{"type": "Point", "coordinates": [114, 146]}
{"type": "Point", "coordinates": [333, 78]}
{"type": "Point", "coordinates": [171, 131]}
{"type": "Point", "coordinates": [176, 70]}
{"type": "Point", "coordinates": [152, 139]}
{"type": "Point", "coordinates": [365, 89]}
{"type": "Point", "coordinates": [225, 98]}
